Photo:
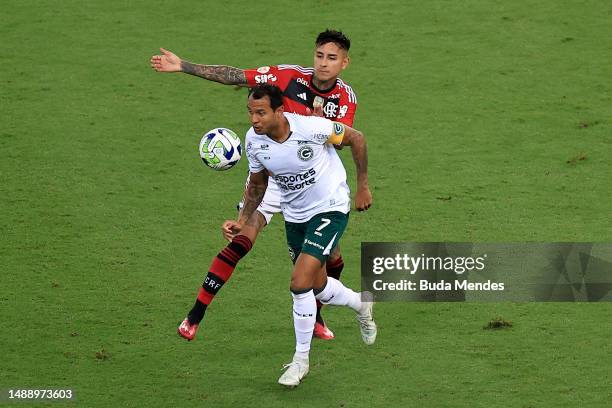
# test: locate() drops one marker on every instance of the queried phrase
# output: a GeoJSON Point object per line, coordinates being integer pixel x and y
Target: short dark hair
{"type": "Point", "coordinates": [271, 91]}
{"type": "Point", "coordinates": [334, 36]}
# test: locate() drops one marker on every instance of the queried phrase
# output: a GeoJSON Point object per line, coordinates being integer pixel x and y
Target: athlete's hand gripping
{"type": "Point", "coordinates": [230, 229]}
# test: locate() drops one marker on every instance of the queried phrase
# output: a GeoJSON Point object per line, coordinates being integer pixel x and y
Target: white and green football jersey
{"type": "Point", "coordinates": [308, 171]}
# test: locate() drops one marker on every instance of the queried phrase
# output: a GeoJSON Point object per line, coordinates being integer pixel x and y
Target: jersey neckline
{"type": "Point", "coordinates": [323, 91]}
{"type": "Point", "coordinates": [290, 121]}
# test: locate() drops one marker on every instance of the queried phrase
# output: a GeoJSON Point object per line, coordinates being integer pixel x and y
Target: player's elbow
{"type": "Point", "coordinates": [358, 139]}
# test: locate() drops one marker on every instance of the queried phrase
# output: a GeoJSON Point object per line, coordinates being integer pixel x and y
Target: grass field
{"type": "Point", "coordinates": [109, 220]}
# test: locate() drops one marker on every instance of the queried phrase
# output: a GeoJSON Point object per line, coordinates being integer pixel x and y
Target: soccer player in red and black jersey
{"type": "Point", "coordinates": [317, 90]}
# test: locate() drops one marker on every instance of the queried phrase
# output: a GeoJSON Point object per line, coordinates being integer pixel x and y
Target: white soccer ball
{"type": "Point", "coordinates": [220, 149]}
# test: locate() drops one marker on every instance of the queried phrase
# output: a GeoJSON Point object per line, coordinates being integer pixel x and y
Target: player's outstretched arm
{"type": "Point", "coordinates": [258, 183]}
{"type": "Point", "coordinates": [359, 149]}
{"type": "Point", "coordinates": [223, 74]}
{"type": "Point", "coordinates": [169, 62]}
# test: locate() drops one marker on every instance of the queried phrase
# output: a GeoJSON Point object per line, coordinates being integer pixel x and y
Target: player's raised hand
{"type": "Point", "coordinates": [317, 106]}
{"type": "Point", "coordinates": [363, 199]}
{"type": "Point", "coordinates": [318, 111]}
{"type": "Point", "coordinates": [230, 229]}
{"type": "Point", "coordinates": [167, 62]}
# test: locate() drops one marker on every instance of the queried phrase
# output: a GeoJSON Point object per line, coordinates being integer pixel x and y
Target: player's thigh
{"type": "Point", "coordinates": [295, 232]}
{"type": "Point", "coordinates": [323, 233]}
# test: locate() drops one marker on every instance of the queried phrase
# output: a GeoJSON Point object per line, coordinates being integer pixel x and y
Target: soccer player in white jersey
{"type": "Point", "coordinates": [297, 151]}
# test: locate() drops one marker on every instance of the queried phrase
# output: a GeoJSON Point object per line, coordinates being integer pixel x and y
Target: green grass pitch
{"type": "Point", "coordinates": [486, 121]}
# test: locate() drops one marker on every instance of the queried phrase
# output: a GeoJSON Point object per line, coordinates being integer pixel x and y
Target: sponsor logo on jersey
{"type": "Point", "coordinates": [334, 96]}
{"type": "Point", "coordinates": [305, 153]}
{"type": "Point", "coordinates": [314, 244]}
{"type": "Point", "coordinates": [321, 137]}
{"type": "Point", "coordinates": [302, 96]}
{"type": "Point", "coordinates": [262, 79]}
{"type": "Point", "coordinates": [343, 110]}
{"type": "Point", "coordinates": [302, 81]}
{"type": "Point", "coordinates": [264, 147]}
{"type": "Point", "coordinates": [263, 70]}
{"type": "Point", "coordinates": [294, 182]}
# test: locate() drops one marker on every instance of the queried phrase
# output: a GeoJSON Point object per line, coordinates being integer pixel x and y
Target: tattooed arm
{"type": "Point", "coordinates": [359, 149]}
{"type": "Point", "coordinates": [169, 62]}
{"type": "Point", "coordinates": [256, 189]}
{"type": "Point", "coordinates": [218, 73]}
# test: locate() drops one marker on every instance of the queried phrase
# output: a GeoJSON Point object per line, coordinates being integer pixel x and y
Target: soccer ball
{"type": "Point", "coordinates": [220, 149]}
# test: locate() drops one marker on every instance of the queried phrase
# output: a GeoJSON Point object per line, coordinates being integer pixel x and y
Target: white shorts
{"type": "Point", "coordinates": [270, 204]}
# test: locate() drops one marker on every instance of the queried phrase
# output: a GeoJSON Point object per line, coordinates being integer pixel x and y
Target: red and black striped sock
{"type": "Point", "coordinates": [219, 272]}
{"type": "Point", "coordinates": [334, 269]}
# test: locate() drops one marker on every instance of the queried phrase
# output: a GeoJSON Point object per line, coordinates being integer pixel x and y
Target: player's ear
{"type": "Point", "coordinates": [346, 61]}
{"type": "Point", "coordinates": [279, 111]}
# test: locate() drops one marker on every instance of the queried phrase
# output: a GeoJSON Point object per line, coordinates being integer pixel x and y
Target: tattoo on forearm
{"type": "Point", "coordinates": [218, 73]}
{"type": "Point", "coordinates": [253, 197]}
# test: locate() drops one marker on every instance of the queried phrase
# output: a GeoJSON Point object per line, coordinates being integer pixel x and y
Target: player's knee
{"type": "Point", "coordinates": [297, 283]}
{"type": "Point", "coordinates": [301, 282]}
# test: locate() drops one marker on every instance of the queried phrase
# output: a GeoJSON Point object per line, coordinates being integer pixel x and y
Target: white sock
{"type": "Point", "coordinates": [304, 315]}
{"type": "Point", "coordinates": [335, 293]}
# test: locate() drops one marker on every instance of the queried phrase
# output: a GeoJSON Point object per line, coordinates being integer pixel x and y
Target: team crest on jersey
{"type": "Point", "coordinates": [330, 109]}
{"type": "Point", "coordinates": [305, 153]}
{"type": "Point", "coordinates": [263, 70]}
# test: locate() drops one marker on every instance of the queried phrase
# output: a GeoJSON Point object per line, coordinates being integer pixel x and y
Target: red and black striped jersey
{"type": "Point", "coordinates": [339, 102]}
